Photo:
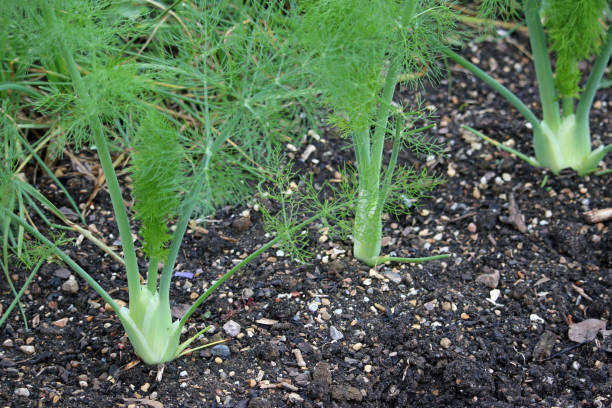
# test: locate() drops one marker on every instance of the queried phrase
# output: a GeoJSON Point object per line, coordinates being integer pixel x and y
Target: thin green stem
{"type": "Point", "coordinates": [380, 129]}
{"type": "Point", "coordinates": [12, 86]}
{"type": "Point", "coordinates": [62, 255]}
{"type": "Point", "coordinates": [397, 143]}
{"type": "Point", "coordinates": [152, 274]}
{"type": "Point", "coordinates": [384, 259]}
{"type": "Point", "coordinates": [243, 263]}
{"type": "Point", "coordinates": [588, 95]}
{"type": "Point", "coordinates": [175, 245]}
{"type": "Point", "coordinates": [20, 294]}
{"type": "Point", "coordinates": [544, 73]}
{"type": "Point", "coordinates": [5, 246]}
{"type": "Point", "coordinates": [497, 87]}
{"type": "Point", "coordinates": [51, 175]}
{"type": "Point", "coordinates": [532, 161]}
{"type": "Point", "coordinates": [567, 102]}
{"type": "Point", "coordinates": [361, 144]}
{"type": "Point", "coordinates": [123, 223]}
{"type": "Point", "coordinates": [32, 194]}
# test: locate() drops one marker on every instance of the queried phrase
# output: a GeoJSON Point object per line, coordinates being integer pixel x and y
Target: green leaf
{"type": "Point", "coordinates": [575, 33]}
{"type": "Point", "coordinates": [157, 173]}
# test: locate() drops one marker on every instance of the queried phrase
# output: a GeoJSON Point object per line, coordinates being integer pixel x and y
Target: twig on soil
{"type": "Point", "coordinates": [514, 216]}
{"type": "Point", "coordinates": [570, 348]}
{"type": "Point", "coordinates": [581, 292]}
{"type": "Point", "coordinates": [461, 217]}
{"type": "Point", "coordinates": [598, 215]}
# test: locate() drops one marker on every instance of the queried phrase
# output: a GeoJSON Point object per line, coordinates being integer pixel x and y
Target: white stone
{"type": "Point", "coordinates": [231, 328]}
{"type": "Point", "coordinates": [22, 392]}
{"type": "Point", "coordinates": [335, 334]}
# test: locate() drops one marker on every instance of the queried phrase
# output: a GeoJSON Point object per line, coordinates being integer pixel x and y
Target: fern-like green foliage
{"type": "Point", "coordinates": [351, 41]}
{"type": "Point", "coordinates": [94, 33]}
{"type": "Point", "coordinates": [575, 33]}
{"type": "Point", "coordinates": [87, 27]}
{"type": "Point", "coordinates": [157, 175]}
{"type": "Point", "coordinates": [504, 9]}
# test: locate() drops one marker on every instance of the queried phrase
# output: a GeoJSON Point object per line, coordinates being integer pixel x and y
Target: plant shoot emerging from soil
{"type": "Point", "coordinates": [359, 51]}
{"type": "Point", "coordinates": [576, 32]}
{"type": "Point", "coordinates": [96, 101]}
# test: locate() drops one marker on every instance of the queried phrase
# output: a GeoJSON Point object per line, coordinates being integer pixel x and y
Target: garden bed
{"type": "Point", "coordinates": [336, 333]}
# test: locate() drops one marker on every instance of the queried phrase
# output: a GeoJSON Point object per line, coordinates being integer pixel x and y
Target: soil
{"type": "Point", "coordinates": [487, 327]}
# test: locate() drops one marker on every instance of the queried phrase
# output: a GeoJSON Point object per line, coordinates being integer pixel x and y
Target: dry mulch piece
{"type": "Point", "coordinates": [496, 325]}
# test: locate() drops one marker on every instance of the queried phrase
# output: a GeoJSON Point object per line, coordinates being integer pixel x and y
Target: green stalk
{"type": "Point", "coordinates": [383, 259]}
{"type": "Point", "coordinates": [567, 103]}
{"type": "Point", "coordinates": [544, 73]}
{"type": "Point", "coordinates": [367, 227]}
{"type": "Point", "coordinates": [392, 163]}
{"type": "Point", "coordinates": [497, 87]}
{"type": "Point", "coordinates": [588, 95]}
{"type": "Point", "coordinates": [175, 245]}
{"type": "Point", "coordinates": [152, 274]}
{"type": "Point", "coordinates": [361, 144]}
{"type": "Point", "coordinates": [382, 119]}
{"type": "Point", "coordinates": [112, 183]}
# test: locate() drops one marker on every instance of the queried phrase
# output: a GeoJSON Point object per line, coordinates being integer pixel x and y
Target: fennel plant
{"type": "Point", "coordinates": [111, 95]}
{"type": "Point", "coordinates": [576, 32]}
{"type": "Point", "coordinates": [358, 50]}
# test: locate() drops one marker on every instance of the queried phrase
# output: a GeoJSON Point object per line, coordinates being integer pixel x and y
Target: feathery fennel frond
{"type": "Point", "coordinates": [157, 174]}
{"type": "Point", "coordinates": [575, 33]}
{"type": "Point", "coordinates": [351, 41]}
{"type": "Point", "coordinates": [505, 9]}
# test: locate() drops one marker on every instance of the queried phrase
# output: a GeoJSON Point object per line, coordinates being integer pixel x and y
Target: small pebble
{"type": "Point", "coordinates": [357, 346]}
{"type": "Point", "coordinates": [445, 342]}
{"type": "Point", "coordinates": [476, 193]}
{"type": "Point", "coordinates": [61, 322]}
{"type": "Point", "coordinates": [70, 286]}
{"type": "Point", "coordinates": [489, 279]}
{"type": "Point", "coordinates": [313, 307]}
{"type": "Point", "coordinates": [465, 316]}
{"type": "Point", "coordinates": [393, 277]}
{"type": "Point", "coordinates": [472, 227]}
{"type": "Point", "coordinates": [220, 350]}
{"type": "Point", "coordinates": [335, 334]}
{"type": "Point", "coordinates": [27, 349]}
{"type": "Point", "coordinates": [62, 273]}
{"type": "Point", "coordinates": [218, 360]}
{"type": "Point", "coordinates": [231, 328]}
{"type": "Point", "coordinates": [367, 368]}
{"type": "Point", "coordinates": [8, 343]}
{"type": "Point", "coordinates": [22, 392]}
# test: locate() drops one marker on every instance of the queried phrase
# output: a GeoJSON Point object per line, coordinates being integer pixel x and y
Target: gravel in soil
{"type": "Point", "coordinates": [487, 327]}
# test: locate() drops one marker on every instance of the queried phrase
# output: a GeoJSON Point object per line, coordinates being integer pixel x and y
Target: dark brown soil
{"type": "Point", "coordinates": [429, 335]}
